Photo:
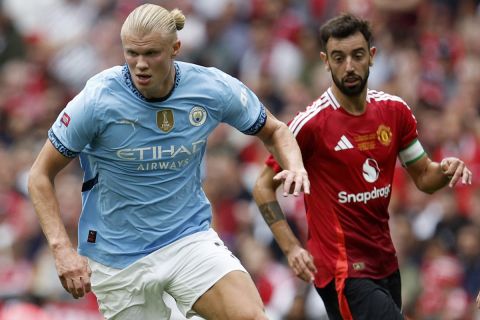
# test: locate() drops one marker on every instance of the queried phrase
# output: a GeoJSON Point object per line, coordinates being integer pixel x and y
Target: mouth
{"type": "Point", "coordinates": [143, 78]}
{"type": "Point", "coordinates": [351, 81]}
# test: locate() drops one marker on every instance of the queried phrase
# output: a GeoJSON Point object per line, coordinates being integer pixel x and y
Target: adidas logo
{"type": "Point", "coordinates": [343, 144]}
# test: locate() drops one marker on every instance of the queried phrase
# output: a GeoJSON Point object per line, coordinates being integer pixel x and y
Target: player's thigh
{"type": "Point", "coordinates": [125, 294]}
{"type": "Point", "coordinates": [329, 297]}
{"type": "Point", "coordinates": [152, 311]}
{"type": "Point", "coordinates": [368, 300]}
{"type": "Point", "coordinates": [210, 279]}
{"type": "Point", "coordinates": [234, 296]}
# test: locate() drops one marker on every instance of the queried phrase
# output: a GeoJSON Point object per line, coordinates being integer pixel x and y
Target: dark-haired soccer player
{"type": "Point", "coordinates": [350, 139]}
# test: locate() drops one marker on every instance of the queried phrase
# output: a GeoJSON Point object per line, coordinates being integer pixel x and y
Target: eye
{"type": "Point", "coordinates": [359, 55]}
{"type": "Point", "coordinates": [151, 53]}
{"type": "Point", "coordinates": [338, 58]}
{"type": "Point", "coordinates": [131, 53]}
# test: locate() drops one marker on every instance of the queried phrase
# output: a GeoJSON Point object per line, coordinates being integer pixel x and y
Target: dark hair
{"type": "Point", "coordinates": [344, 26]}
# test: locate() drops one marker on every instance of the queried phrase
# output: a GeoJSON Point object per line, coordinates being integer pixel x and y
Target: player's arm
{"type": "Point", "coordinates": [72, 269]}
{"type": "Point", "coordinates": [279, 140]}
{"type": "Point", "coordinates": [429, 176]}
{"type": "Point", "coordinates": [299, 259]}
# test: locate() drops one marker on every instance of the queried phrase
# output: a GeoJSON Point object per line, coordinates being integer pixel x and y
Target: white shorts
{"type": "Point", "coordinates": [185, 269]}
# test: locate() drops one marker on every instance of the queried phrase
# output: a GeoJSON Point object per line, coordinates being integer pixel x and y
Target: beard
{"type": "Point", "coordinates": [351, 91]}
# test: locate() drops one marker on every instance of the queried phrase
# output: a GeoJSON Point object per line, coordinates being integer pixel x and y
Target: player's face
{"type": "Point", "coordinates": [150, 61]}
{"type": "Point", "coordinates": [348, 60]}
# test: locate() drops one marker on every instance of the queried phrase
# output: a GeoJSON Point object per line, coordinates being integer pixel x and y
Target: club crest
{"type": "Point", "coordinates": [165, 120]}
{"type": "Point", "coordinates": [384, 135]}
{"type": "Point", "coordinates": [198, 116]}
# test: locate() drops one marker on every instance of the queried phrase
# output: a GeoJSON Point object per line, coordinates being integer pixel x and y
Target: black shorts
{"type": "Point", "coordinates": [368, 299]}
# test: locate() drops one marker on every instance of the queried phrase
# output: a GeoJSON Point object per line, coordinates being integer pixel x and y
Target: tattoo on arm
{"type": "Point", "coordinates": [271, 212]}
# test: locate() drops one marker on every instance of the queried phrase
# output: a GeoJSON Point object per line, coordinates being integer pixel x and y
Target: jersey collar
{"type": "Point", "coordinates": [128, 81]}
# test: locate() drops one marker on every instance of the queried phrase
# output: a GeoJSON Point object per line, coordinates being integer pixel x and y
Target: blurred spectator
{"type": "Point", "coordinates": [12, 44]}
{"type": "Point", "coordinates": [265, 54]}
{"type": "Point", "coordinates": [468, 248]}
{"type": "Point", "coordinates": [443, 296]}
{"type": "Point", "coordinates": [407, 247]}
{"type": "Point", "coordinates": [275, 282]}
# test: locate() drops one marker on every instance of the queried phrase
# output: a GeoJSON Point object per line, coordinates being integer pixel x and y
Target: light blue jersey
{"type": "Point", "coordinates": [142, 157]}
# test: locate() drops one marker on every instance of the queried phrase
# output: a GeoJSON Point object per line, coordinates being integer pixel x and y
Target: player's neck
{"type": "Point", "coordinates": [355, 105]}
{"type": "Point", "coordinates": [162, 90]}
{"type": "Point", "coordinates": [167, 85]}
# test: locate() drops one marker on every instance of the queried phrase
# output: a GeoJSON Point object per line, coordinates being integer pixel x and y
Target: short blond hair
{"type": "Point", "coordinates": [149, 18]}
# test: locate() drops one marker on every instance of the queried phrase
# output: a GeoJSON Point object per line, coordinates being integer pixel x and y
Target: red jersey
{"type": "Point", "coordinates": [350, 162]}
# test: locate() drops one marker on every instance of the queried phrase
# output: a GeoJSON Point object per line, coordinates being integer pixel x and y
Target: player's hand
{"type": "Point", "coordinates": [455, 169]}
{"type": "Point", "coordinates": [301, 262]}
{"type": "Point", "coordinates": [73, 271]}
{"type": "Point", "coordinates": [478, 300]}
{"type": "Point", "coordinates": [294, 182]}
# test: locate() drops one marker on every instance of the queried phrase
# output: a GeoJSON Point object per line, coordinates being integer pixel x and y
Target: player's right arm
{"type": "Point", "coordinates": [299, 259]}
{"type": "Point", "coordinates": [72, 269]}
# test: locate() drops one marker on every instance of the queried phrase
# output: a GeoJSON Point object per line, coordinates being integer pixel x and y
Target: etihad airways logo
{"type": "Point", "coordinates": [160, 152]}
{"type": "Point", "coordinates": [172, 157]}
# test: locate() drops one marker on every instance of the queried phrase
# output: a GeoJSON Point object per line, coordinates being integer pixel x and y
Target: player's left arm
{"type": "Point", "coordinates": [280, 141]}
{"type": "Point", "coordinates": [430, 176]}
{"type": "Point", "coordinates": [299, 259]}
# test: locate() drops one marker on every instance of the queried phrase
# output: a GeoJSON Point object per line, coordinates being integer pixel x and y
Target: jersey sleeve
{"type": "Point", "coordinates": [410, 147]}
{"type": "Point", "coordinates": [242, 108]}
{"type": "Point", "coordinates": [76, 125]}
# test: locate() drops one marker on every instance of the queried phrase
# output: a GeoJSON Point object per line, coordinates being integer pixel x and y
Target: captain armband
{"type": "Point", "coordinates": [411, 153]}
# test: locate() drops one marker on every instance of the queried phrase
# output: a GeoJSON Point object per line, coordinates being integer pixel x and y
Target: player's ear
{"type": "Point", "coordinates": [323, 56]}
{"type": "Point", "coordinates": [176, 48]}
{"type": "Point", "coordinates": [373, 51]}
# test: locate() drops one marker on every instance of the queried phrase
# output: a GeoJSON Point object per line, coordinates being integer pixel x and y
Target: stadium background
{"type": "Point", "coordinates": [428, 53]}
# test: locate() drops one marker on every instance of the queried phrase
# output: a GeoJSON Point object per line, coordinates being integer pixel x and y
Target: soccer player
{"type": "Point", "coordinates": [350, 139]}
{"type": "Point", "coordinates": [140, 131]}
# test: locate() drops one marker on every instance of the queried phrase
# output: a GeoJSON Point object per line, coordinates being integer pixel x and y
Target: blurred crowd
{"type": "Point", "coordinates": [428, 54]}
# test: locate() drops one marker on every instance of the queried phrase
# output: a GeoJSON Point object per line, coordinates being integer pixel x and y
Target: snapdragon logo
{"type": "Point", "coordinates": [370, 172]}
{"type": "Point", "coordinates": [344, 197]}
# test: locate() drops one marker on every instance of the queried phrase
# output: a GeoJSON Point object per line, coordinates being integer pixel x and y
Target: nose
{"type": "Point", "coordinates": [349, 65]}
{"type": "Point", "coordinates": [142, 63]}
